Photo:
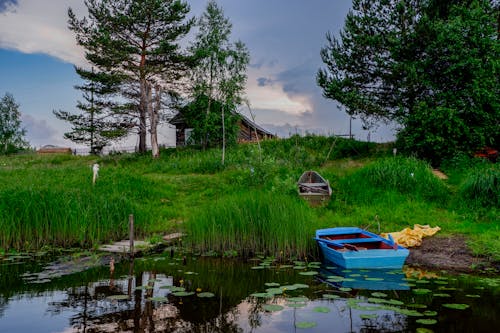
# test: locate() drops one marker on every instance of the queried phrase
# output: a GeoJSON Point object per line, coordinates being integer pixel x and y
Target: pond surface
{"type": "Point", "coordinates": [164, 294]}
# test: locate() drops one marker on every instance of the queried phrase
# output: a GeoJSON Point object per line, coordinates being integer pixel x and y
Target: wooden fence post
{"type": "Point", "coordinates": [131, 233]}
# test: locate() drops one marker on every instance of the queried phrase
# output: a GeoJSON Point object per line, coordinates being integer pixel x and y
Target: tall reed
{"type": "Point", "coordinates": [481, 187]}
{"type": "Point", "coordinates": [254, 221]}
{"type": "Point", "coordinates": [407, 176]}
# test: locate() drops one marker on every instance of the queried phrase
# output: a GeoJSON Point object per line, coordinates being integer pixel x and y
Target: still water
{"type": "Point", "coordinates": [195, 294]}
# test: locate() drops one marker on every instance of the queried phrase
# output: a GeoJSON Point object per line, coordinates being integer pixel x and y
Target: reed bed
{"type": "Point", "coordinates": [481, 187]}
{"type": "Point", "coordinates": [406, 176]}
{"type": "Point", "coordinates": [60, 207]}
{"type": "Point", "coordinates": [254, 222]}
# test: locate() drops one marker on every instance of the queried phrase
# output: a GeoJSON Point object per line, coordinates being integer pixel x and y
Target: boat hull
{"type": "Point", "coordinates": [347, 248]}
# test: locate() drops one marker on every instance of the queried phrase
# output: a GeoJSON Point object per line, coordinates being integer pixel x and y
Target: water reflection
{"type": "Point", "coordinates": [161, 295]}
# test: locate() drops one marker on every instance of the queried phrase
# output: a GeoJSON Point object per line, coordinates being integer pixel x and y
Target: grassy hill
{"type": "Point", "coordinates": [248, 204]}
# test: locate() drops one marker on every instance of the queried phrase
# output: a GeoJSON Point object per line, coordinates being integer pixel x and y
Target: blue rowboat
{"type": "Point", "coordinates": [355, 248]}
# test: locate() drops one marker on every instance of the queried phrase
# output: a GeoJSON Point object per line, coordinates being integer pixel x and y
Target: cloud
{"type": "Point", "coordinates": [40, 27]}
{"type": "Point", "coordinates": [7, 5]}
{"type": "Point", "coordinates": [40, 132]}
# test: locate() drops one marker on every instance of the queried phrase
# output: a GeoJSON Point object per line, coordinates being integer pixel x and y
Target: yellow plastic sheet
{"type": "Point", "coordinates": [412, 237]}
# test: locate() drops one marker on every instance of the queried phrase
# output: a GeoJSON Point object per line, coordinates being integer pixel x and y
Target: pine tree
{"type": "Point", "coordinates": [137, 41]}
{"type": "Point", "coordinates": [100, 120]}
{"type": "Point", "coordinates": [419, 64]}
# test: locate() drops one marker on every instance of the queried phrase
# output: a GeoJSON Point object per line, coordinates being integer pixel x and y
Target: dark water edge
{"type": "Point", "coordinates": [146, 296]}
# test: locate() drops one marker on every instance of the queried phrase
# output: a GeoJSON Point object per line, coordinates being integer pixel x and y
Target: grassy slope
{"type": "Point", "coordinates": [47, 200]}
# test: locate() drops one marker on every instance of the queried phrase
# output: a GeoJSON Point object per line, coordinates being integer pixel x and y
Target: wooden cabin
{"type": "Point", "coordinates": [248, 132]}
{"type": "Point", "coordinates": [50, 149]}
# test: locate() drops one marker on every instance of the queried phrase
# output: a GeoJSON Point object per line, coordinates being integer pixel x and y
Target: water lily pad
{"type": "Point", "coordinates": [421, 291]}
{"type": "Point", "coordinates": [274, 291]}
{"type": "Point", "coordinates": [258, 267]}
{"type": "Point", "coordinates": [321, 309]}
{"type": "Point", "coordinates": [345, 289]}
{"type": "Point", "coordinates": [376, 300]}
{"type": "Point", "coordinates": [441, 282]}
{"type": "Point", "coordinates": [288, 287]}
{"type": "Point", "coordinates": [330, 296]}
{"type": "Point", "coordinates": [183, 293]}
{"type": "Point", "coordinates": [299, 267]}
{"type": "Point", "coordinates": [423, 330]}
{"type": "Point", "coordinates": [355, 275]}
{"type": "Point", "coordinates": [272, 284]}
{"type": "Point", "coordinates": [441, 295]}
{"type": "Point", "coordinates": [191, 273]}
{"type": "Point", "coordinates": [285, 266]}
{"type": "Point", "coordinates": [206, 294]}
{"type": "Point", "coordinates": [416, 306]}
{"type": "Point", "coordinates": [296, 305]}
{"type": "Point", "coordinates": [379, 294]}
{"type": "Point", "coordinates": [426, 321]}
{"type": "Point", "coordinates": [262, 295]}
{"type": "Point", "coordinates": [430, 313]}
{"type": "Point", "coordinates": [422, 281]}
{"type": "Point", "coordinates": [335, 278]}
{"type": "Point", "coordinates": [143, 288]}
{"type": "Point", "coordinates": [314, 263]}
{"type": "Point", "coordinates": [305, 324]}
{"type": "Point", "coordinates": [173, 288]}
{"type": "Point", "coordinates": [118, 297]}
{"type": "Point", "coordinates": [473, 296]}
{"type": "Point", "coordinates": [297, 299]}
{"type": "Point", "coordinates": [300, 286]}
{"type": "Point", "coordinates": [309, 273]}
{"type": "Point", "coordinates": [299, 263]}
{"type": "Point", "coordinates": [368, 316]}
{"type": "Point", "coordinates": [374, 279]}
{"type": "Point", "coordinates": [394, 302]}
{"type": "Point", "coordinates": [456, 306]}
{"type": "Point", "coordinates": [158, 299]}
{"type": "Point", "coordinates": [272, 307]}
{"type": "Point", "coordinates": [447, 288]}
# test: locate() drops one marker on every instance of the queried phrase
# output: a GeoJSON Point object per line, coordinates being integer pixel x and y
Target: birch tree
{"type": "Point", "coordinates": [220, 74]}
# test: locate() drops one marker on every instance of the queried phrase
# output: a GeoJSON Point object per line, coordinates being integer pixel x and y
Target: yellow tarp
{"type": "Point", "coordinates": [412, 237]}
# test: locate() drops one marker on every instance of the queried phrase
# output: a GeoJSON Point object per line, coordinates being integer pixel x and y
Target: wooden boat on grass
{"type": "Point", "coordinates": [355, 248]}
{"type": "Point", "coordinates": [314, 188]}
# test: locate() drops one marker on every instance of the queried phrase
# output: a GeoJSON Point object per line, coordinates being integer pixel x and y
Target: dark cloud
{"type": "Point", "coordinates": [264, 81]}
{"type": "Point", "coordinates": [6, 4]}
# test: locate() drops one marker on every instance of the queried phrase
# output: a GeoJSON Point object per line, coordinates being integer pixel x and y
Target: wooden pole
{"type": "Point", "coordinates": [131, 233]}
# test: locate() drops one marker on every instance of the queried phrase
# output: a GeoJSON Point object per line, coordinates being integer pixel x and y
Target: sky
{"type": "Point", "coordinates": [38, 53]}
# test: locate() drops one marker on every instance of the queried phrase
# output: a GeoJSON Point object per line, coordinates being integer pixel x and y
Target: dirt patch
{"type": "Point", "coordinates": [439, 174]}
{"type": "Point", "coordinates": [446, 253]}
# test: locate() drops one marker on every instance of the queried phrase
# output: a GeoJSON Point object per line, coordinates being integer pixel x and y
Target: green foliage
{"type": "Point", "coordinates": [49, 200]}
{"type": "Point", "coordinates": [407, 176]}
{"type": "Point", "coordinates": [481, 187]}
{"type": "Point", "coordinates": [218, 78]}
{"type": "Point", "coordinates": [98, 121]}
{"type": "Point", "coordinates": [11, 133]}
{"type": "Point", "coordinates": [207, 126]}
{"type": "Point", "coordinates": [430, 67]}
{"type": "Point", "coordinates": [255, 221]}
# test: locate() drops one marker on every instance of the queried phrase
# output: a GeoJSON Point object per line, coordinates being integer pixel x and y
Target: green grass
{"type": "Point", "coordinates": [249, 203]}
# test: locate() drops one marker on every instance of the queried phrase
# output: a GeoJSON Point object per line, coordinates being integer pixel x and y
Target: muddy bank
{"type": "Point", "coordinates": [450, 254]}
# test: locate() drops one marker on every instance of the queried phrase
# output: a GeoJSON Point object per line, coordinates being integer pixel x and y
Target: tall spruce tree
{"type": "Point", "coordinates": [428, 66]}
{"type": "Point", "coordinates": [100, 119]}
{"type": "Point", "coordinates": [137, 42]}
{"type": "Point", "coordinates": [218, 80]}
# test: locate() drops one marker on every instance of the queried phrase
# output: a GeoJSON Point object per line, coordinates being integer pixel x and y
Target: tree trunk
{"type": "Point", "coordinates": [153, 115]}
{"type": "Point", "coordinates": [143, 105]}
